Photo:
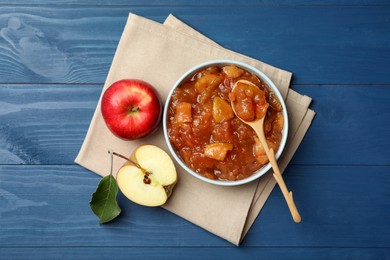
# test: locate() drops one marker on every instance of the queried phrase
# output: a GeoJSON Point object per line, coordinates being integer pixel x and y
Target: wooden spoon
{"type": "Point", "coordinates": [257, 126]}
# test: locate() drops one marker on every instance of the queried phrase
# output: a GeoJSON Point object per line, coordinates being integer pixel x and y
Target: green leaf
{"type": "Point", "coordinates": [103, 202]}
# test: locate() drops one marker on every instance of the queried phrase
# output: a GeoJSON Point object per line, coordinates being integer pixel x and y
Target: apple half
{"type": "Point", "coordinates": [150, 181]}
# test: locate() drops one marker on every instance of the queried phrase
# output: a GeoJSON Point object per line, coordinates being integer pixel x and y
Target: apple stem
{"type": "Point", "coordinates": [134, 109]}
{"type": "Point", "coordinates": [129, 160]}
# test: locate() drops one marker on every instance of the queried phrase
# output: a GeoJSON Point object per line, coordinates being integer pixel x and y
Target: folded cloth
{"type": "Point", "coordinates": [160, 54]}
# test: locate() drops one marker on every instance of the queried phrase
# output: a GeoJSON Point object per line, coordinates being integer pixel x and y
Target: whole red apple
{"type": "Point", "coordinates": [131, 108]}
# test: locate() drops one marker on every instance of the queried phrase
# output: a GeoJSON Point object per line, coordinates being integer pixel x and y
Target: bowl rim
{"type": "Point", "coordinates": [260, 172]}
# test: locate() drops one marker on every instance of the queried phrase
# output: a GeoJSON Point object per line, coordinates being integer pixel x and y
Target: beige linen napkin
{"type": "Point", "coordinates": [160, 54]}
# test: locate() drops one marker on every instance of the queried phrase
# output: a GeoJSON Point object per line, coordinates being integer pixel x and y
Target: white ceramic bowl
{"type": "Point", "coordinates": [252, 70]}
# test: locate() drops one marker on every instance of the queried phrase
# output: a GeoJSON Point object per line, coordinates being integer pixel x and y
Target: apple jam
{"type": "Point", "coordinates": [207, 135]}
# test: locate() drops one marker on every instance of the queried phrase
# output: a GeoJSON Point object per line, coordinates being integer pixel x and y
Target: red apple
{"type": "Point", "coordinates": [131, 108]}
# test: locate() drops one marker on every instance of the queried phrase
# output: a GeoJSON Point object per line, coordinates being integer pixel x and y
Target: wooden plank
{"type": "Point", "coordinates": [199, 2]}
{"type": "Point", "coordinates": [319, 44]}
{"type": "Point", "coordinates": [193, 253]}
{"type": "Point", "coordinates": [46, 124]}
{"type": "Point", "coordinates": [350, 127]}
{"type": "Point", "coordinates": [341, 206]}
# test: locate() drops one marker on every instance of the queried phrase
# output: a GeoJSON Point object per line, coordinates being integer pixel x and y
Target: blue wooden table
{"type": "Point", "coordinates": [54, 57]}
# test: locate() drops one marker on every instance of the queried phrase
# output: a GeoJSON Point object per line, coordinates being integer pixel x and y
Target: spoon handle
{"type": "Point", "coordinates": [288, 196]}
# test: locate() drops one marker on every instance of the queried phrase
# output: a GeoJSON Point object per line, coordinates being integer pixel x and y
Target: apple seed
{"type": "Point", "coordinates": [146, 179]}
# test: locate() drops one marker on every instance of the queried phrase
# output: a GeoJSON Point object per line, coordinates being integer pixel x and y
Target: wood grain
{"type": "Point", "coordinates": [44, 121]}
{"type": "Point", "coordinates": [346, 206]}
{"type": "Point", "coordinates": [189, 3]}
{"type": "Point", "coordinates": [196, 253]}
{"type": "Point", "coordinates": [350, 127]}
{"type": "Point", "coordinates": [338, 44]}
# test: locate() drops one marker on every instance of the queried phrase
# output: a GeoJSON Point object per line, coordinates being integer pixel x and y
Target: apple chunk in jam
{"type": "Point", "coordinates": [206, 134]}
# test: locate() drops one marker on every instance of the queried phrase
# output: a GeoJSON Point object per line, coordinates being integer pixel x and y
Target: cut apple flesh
{"type": "Point", "coordinates": [152, 184]}
{"type": "Point", "coordinates": [158, 163]}
{"type": "Point", "coordinates": [130, 181]}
